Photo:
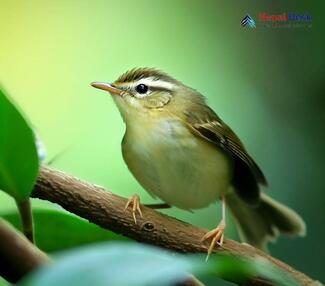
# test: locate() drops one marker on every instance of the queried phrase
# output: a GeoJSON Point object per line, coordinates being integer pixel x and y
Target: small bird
{"type": "Point", "coordinates": [180, 151]}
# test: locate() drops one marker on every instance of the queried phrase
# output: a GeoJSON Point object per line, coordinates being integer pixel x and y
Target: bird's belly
{"type": "Point", "coordinates": [181, 169]}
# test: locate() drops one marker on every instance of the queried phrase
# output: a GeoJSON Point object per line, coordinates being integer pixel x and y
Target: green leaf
{"type": "Point", "coordinates": [18, 155]}
{"type": "Point", "coordinates": [272, 273]}
{"type": "Point", "coordinates": [113, 264]}
{"type": "Point", "coordinates": [3, 282]}
{"type": "Point", "coordinates": [57, 230]}
{"type": "Point", "coordinates": [231, 268]}
{"type": "Point", "coordinates": [137, 264]}
{"type": "Point", "coordinates": [238, 270]}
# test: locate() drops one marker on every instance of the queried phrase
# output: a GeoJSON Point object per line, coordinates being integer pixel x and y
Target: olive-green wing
{"type": "Point", "coordinates": [247, 175]}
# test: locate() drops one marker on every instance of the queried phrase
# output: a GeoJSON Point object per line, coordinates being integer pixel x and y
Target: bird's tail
{"type": "Point", "coordinates": [259, 225]}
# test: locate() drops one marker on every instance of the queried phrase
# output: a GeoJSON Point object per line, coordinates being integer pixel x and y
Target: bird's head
{"type": "Point", "coordinates": [144, 90]}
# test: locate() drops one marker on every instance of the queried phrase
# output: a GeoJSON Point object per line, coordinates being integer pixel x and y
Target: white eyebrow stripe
{"type": "Point", "coordinates": [150, 81]}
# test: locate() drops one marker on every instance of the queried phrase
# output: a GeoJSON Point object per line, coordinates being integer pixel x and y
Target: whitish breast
{"type": "Point", "coordinates": [173, 164]}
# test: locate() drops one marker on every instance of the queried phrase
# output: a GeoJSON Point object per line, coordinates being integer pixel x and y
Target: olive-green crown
{"type": "Point", "coordinates": [140, 73]}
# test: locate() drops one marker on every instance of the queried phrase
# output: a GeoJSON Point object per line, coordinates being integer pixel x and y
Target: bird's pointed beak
{"type": "Point", "coordinates": [107, 87]}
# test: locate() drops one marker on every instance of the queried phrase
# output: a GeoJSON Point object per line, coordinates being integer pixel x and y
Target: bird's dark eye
{"type": "Point", "coordinates": [141, 88]}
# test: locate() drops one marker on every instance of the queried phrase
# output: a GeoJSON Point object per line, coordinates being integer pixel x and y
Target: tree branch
{"type": "Point", "coordinates": [18, 256]}
{"type": "Point", "coordinates": [105, 209]}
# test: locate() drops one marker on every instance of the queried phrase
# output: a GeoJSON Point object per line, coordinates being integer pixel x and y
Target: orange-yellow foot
{"type": "Point", "coordinates": [216, 235]}
{"type": "Point", "coordinates": [134, 201]}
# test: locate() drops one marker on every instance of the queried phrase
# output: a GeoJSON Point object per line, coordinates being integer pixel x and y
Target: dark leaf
{"type": "Point", "coordinates": [18, 155]}
{"type": "Point", "coordinates": [57, 230]}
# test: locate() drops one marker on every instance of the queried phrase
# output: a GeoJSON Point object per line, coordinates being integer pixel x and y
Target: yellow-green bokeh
{"type": "Point", "coordinates": [266, 84]}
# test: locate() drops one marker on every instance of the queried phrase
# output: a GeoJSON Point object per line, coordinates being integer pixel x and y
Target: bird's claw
{"type": "Point", "coordinates": [216, 235]}
{"type": "Point", "coordinates": [134, 201]}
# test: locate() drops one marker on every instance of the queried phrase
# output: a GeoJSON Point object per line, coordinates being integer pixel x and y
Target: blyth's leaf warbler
{"type": "Point", "coordinates": [179, 150]}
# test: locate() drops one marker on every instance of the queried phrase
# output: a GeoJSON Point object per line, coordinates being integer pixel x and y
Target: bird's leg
{"type": "Point", "coordinates": [134, 201]}
{"type": "Point", "coordinates": [217, 235]}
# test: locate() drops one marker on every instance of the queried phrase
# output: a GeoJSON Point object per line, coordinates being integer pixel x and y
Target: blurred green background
{"type": "Point", "coordinates": [267, 84]}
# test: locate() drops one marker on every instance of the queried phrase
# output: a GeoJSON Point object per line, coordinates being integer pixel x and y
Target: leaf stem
{"type": "Point", "coordinates": [26, 217]}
